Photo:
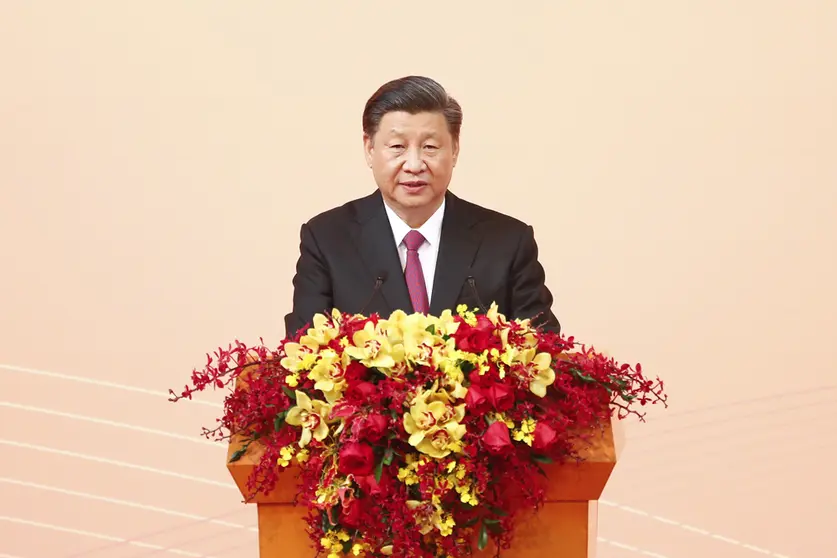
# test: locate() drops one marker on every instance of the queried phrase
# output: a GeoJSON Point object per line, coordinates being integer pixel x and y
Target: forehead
{"type": "Point", "coordinates": [424, 124]}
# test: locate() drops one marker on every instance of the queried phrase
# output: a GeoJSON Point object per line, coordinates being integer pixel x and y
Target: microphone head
{"type": "Point", "coordinates": [382, 275]}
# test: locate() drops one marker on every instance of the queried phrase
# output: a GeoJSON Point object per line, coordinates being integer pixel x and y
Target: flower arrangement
{"type": "Point", "coordinates": [416, 435]}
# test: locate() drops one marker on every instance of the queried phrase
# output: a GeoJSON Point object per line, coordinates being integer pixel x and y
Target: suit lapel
{"type": "Point", "coordinates": [374, 241]}
{"type": "Point", "coordinates": [457, 249]}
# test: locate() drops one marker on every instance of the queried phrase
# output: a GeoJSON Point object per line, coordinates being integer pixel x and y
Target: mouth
{"type": "Point", "coordinates": [413, 185]}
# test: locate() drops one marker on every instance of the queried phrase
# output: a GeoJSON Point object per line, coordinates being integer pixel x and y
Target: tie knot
{"type": "Point", "coordinates": [413, 240]}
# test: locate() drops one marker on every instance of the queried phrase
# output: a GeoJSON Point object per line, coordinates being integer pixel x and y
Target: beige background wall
{"type": "Point", "coordinates": [677, 159]}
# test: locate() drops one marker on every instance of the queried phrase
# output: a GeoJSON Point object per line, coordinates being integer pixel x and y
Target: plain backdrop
{"type": "Point", "coordinates": [678, 161]}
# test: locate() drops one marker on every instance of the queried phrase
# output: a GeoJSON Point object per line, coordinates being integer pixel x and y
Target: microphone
{"type": "Point", "coordinates": [379, 281]}
{"type": "Point", "coordinates": [473, 283]}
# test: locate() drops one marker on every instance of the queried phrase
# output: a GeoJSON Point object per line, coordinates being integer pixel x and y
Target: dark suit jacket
{"type": "Point", "coordinates": [344, 250]}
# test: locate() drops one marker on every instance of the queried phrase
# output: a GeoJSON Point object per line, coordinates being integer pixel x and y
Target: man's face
{"type": "Point", "coordinates": [412, 157]}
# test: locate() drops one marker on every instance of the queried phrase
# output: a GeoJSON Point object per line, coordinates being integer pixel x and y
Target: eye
{"type": "Point", "coordinates": [397, 146]}
{"type": "Point", "coordinates": [431, 147]}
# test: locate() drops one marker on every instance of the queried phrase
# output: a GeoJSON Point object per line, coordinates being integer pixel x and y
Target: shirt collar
{"type": "Point", "coordinates": [431, 230]}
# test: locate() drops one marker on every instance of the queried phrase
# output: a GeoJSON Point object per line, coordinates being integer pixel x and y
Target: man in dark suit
{"type": "Point", "coordinates": [412, 244]}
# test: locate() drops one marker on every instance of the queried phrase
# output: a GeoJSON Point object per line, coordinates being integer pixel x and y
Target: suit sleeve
{"type": "Point", "coordinates": [312, 284]}
{"type": "Point", "coordinates": [530, 297]}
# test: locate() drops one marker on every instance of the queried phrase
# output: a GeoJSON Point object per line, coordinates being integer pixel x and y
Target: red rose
{"type": "Point", "coordinates": [368, 484]}
{"type": "Point", "coordinates": [356, 459]}
{"type": "Point", "coordinates": [477, 400]}
{"type": "Point", "coordinates": [351, 514]}
{"type": "Point", "coordinates": [362, 392]}
{"type": "Point", "coordinates": [356, 371]}
{"type": "Point", "coordinates": [476, 338]}
{"type": "Point", "coordinates": [544, 437]}
{"type": "Point", "coordinates": [501, 396]}
{"type": "Point", "coordinates": [482, 380]}
{"type": "Point", "coordinates": [496, 439]}
{"type": "Point", "coordinates": [370, 428]}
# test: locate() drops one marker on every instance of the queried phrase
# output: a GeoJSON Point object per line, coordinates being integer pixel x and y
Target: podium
{"type": "Point", "coordinates": [564, 527]}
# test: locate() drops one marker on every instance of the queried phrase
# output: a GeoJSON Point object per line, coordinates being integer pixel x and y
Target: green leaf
{"type": "Point", "coordinates": [279, 420]}
{"type": "Point", "coordinates": [482, 542]}
{"type": "Point", "coordinates": [497, 511]}
{"type": "Point", "coordinates": [238, 453]}
{"type": "Point", "coordinates": [582, 376]}
{"type": "Point", "coordinates": [491, 521]}
{"type": "Point", "coordinates": [327, 524]}
{"type": "Point", "coordinates": [289, 393]}
{"type": "Point", "coordinates": [388, 457]}
{"type": "Point", "coordinates": [347, 546]}
{"type": "Point", "coordinates": [541, 458]}
{"type": "Point", "coordinates": [379, 470]}
{"type": "Point", "coordinates": [471, 522]}
{"type": "Point", "coordinates": [431, 329]}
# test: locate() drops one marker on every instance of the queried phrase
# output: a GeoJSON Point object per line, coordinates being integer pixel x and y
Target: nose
{"type": "Point", "coordinates": [413, 161]}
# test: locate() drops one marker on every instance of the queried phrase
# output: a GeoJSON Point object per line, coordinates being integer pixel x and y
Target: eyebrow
{"type": "Point", "coordinates": [401, 133]}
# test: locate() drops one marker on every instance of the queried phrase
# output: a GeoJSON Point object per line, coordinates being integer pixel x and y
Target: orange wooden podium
{"type": "Point", "coordinates": [565, 527]}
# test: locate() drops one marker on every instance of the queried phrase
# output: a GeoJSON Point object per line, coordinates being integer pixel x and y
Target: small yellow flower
{"type": "Point", "coordinates": [468, 316]}
{"type": "Point", "coordinates": [504, 419]}
{"type": "Point", "coordinates": [407, 476]}
{"type": "Point", "coordinates": [285, 456]}
{"type": "Point", "coordinates": [446, 526]}
{"type": "Point", "coordinates": [292, 380]}
{"type": "Point", "coordinates": [312, 416]}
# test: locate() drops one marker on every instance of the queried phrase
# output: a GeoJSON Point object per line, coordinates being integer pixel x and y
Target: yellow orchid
{"type": "Point", "coordinates": [445, 324]}
{"type": "Point", "coordinates": [494, 316]}
{"type": "Point", "coordinates": [299, 356]}
{"type": "Point", "coordinates": [312, 416]}
{"type": "Point", "coordinates": [537, 368]}
{"type": "Point", "coordinates": [323, 330]}
{"type": "Point", "coordinates": [434, 425]}
{"type": "Point", "coordinates": [417, 338]}
{"type": "Point", "coordinates": [328, 374]}
{"type": "Point", "coordinates": [445, 357]}
{"type": "Point", "coordinates": [372, 348]}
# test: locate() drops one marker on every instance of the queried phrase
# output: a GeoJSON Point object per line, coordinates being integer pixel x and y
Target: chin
{"type": "Point", "coordinates": [416, 200]}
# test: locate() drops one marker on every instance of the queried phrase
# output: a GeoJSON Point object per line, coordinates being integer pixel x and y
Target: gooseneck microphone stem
{"type": "Point", "coordinates": [473, 283]}
{"type": "Point", "coordinates": [379, 281]}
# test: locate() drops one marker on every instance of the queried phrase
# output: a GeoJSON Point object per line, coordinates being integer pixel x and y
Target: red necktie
{"type": "Point", "coordinates": [413, 273]}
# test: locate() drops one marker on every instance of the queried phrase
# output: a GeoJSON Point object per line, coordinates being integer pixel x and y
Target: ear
{"type": "Point", "coordinates": [368, 149]}
{"type": "Point", "coordinates": [455, 151]}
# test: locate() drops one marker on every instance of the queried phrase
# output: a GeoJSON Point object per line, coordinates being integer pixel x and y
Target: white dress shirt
{"type": "Point", "coordinates": [431, 230]}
